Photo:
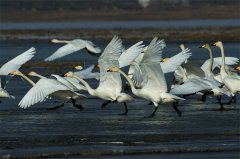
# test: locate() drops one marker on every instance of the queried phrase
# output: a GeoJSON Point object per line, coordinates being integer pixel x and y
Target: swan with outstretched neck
{"type": "Point", "coordinates": [71, 47]}
{"type": "Point", "coordinates": [102, 93]}
{"type": "Point", "coordinates": [230, 81]}
{"type": "Point", "coordinates": [46, 87]}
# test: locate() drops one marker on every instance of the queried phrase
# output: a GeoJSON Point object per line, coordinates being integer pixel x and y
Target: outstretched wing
{"type": "Point", "coordinates": [152, 75]}
{"type": "Point", "coordinates": [174, 62]}
{"type": "Point", "coordinates": [65, 50]}
{"type": "Point", "coordinates": [91, 47]}
{"type": "Point", "coordinates": [17, 62]}
{"type": "Point", "coordinates": [86, 73]}
{"type": "Point", "coordinates": [190, 87]}
{"type": "Point", "coordinates": [40, 91]}
{"type": "Point", "coordinates": [130, 54]}
{"type": "Point", "coordinates": [109, 58]}
{"type": "Point", "coordinates": [217, 61]}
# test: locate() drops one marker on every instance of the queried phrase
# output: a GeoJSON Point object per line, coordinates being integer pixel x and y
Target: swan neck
{"type": "Point", "coordinates": [134, 90]}
{"type": "Point", "coordinates": [26, 78]}
{"type": "Point", "coordinates": [90, 90]}
{"type": "Point", "coordinates": [209, 70]}
{"type": "Point", "coordinates": [39, 76]}
{"type": "Point", "coordinates": [223, 59]}
{"type": "Point", "coordinates": [61, 41]}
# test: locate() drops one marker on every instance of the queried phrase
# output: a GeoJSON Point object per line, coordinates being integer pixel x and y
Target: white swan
{"type": "Point", "coordinates": [12, 65]}
{"type": "Point", "coordinates": [110, 84]}
{"type": "Point", "coordinates": [46, 87]}
{"type": "Point", "coordinates": [153, 83]}
{"type": "Point", "coordinates": [87, 73]}
{"type": "Point", "coordinates": [71, 47]}
{"type": "Point", "coordinates": [230, 81]}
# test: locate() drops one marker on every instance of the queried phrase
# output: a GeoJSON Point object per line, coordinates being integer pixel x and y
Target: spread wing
{"type": "Point", "coordinates": [40, 91]}
{"type": "Point", "coordinates": [130, 54]}
{"type": "Point", "coordinates": [17, 62]}
{"type": "Point", "coordinates": [174, 62]}
{"type": "Point", "coordinates": [217, 61]}
{"type": "Point", "coordinates": [152, 75]}
{"type": "Point", "coordinates": [190, 87]}
{"type": "Point", "coordinates": [65, 50]}
{"type": "Point", "coordinates": [110, 56]}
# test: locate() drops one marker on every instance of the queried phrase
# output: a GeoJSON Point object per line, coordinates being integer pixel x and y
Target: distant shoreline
{"type": "Point", "coordinates": [230, 34]}
{"type": "Point", "coordinates": [176, 13]}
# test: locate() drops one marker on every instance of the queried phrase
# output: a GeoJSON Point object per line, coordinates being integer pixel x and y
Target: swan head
{"type": "Point", "coordinates": [164, 60]}
{"type": "Point", "coordinates": [15, 72]}
{"type": "Point", "coordinates": [237, 68]}
{"type": "Point", "coordinates": [182, 47]}
{"type": "Point", "coordinates": [68, 74]}
{"type": "Point", "coordinates": [97, 66]}
{"type": "Point", "coordinates": [218, 43]}
{"type": "Point", "coordinates": [112, 69]}
{"type": "Point", "coordinates": [32, 73]}
{"type": "Point", "coordinates": [204, 46]}
{"type": "Point", "coordinates": [54, 41]}
{"type": "Point", "coordinates": [78, 67]}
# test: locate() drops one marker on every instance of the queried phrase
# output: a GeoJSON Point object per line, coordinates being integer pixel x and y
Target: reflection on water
{"type": "Point", "coordinates": [121, 24]}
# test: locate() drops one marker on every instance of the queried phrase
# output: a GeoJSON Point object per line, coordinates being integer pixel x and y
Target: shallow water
{"type": "Point", "coordinates": [202, 131]}
{"type": "Point", "coordinates": [121, 24]}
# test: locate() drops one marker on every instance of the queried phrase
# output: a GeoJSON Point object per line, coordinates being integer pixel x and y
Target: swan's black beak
{"type": "Point", "coordinates": [202, 46]}
{"type": "Point", "coordinates": [109, 70]}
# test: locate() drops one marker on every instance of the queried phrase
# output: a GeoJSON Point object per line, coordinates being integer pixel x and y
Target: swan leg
{"type": "Point", "coordinates": [221, 108]}
{"type": "Point", "coordinates": [219, 98]}
{"type": "Point", "coordinates": [56, 107]}
{"type": "Point", "coordinates": [79, 106]}
{"type": "Point", "coordinates": [176, 108]}
{"type": "Point", "coordinates": [231, 100]}
{"type": "Point", "coordinates": [153, 113]}
{"type": "Point", "coordinates": [105, 103]}
{"type": "Point", "coordinates": [126, 109]}
{"type": "Point", "coordinates": [204, 96]}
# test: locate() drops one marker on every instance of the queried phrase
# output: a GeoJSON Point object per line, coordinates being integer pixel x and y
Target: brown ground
{"type": "Point", "coordinates": [193, 12]}
{"type": "Point", "coordinates": [191, 35]}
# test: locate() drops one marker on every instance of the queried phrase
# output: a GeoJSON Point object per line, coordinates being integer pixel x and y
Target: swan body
{"type": "Point", "coordinates": [71, 47]}
{"type": "Point", "coordinates": [231, 82]}
{"type": "Point", "coordinates": [87, 73]}
{"type": "Point", "coordinates": [12, 65]}
{"type": "Point", "coordinates": [152, 80]}
{"type": "Point", "coordinates": [43, 88]}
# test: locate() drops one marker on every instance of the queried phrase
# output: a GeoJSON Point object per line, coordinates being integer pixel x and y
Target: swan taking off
{"type": "Point", "coordinates": [71, 47]}
{"type": "Point", "coordinates": [149, 75]}
{"type": "Point", "coordinates": [12, 65]}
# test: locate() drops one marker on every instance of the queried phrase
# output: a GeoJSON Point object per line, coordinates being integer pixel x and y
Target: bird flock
{"type": "Point", "coordinates": [145, 76]}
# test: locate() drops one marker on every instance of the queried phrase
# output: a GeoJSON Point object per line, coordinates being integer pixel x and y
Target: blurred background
{"type": "Point", "coordinates": [34, 10]}
{"type": "Point", "coordinates": [187, 20]}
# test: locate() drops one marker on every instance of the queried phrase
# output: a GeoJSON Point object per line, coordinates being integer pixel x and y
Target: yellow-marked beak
{"type": "Point", "coordinates": [12, 72]}
{"type": "Point", "coordinates": [66, 74]}
{"type": "Point", "coordinates": [29, 74]}
{"type": "Point", "coordinates": [97, 65]}
{"type": "Point", "coordinates": [78, 67]}
{"type": "Point", "coordinates": [109, 70]}
{"type": "Point", "coordinates": [237, 68]}
{"type": "Point", "coordinates": [164, 60]}
{"type": "Point", "coordinates": [214, 44]}
{"type": "Point", "coordinates": [203, 46]}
